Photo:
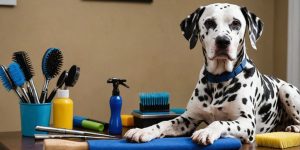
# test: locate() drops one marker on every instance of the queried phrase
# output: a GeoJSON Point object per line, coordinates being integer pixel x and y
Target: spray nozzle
{"type": "Point", "coordinates": [116, 82]}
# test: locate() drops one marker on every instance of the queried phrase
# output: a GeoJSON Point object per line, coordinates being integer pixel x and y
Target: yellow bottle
{"type": "Point", "coordinates": [63, 110]}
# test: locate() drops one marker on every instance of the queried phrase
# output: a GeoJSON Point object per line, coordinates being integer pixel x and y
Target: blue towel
{"type": "Point", "coordinates": [178, 143]}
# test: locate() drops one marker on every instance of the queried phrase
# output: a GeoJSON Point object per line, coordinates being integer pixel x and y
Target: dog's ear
{"type": "Point", "coordinates": [190, 28]}
{"type": "Point", "coordinates": [255, 26]}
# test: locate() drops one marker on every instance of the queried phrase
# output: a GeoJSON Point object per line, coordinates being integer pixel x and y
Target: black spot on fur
{"type": "Point", "coordinates": [205, 97]}
{"type": "Point", "coordinates": [201, 98]}
{"type": "Point", "coordinates": [256, 90]}
{"type": "Point", "coordinates": [196, 92]}
{"type": "Point", "coordinates": [250, 138]}
{"type": "Point", "coordinates": [157, 126]}
{"type": "Point", "coordinates": [192, 98]}
{"type": "Point", "coordinates": [186, 122]}
{"type": "Point", "coordinates": [238, 128]}
{"type": "Point", "coordinates": [287, 95]}
{"type": "Point", "coordinates": [173, 122]}
{"type": "Point", "coordinates": [233, 89]}
{"type": "Point", "coordinates": [249, 72]}
{"type": "Point", "coordinates": [249, 116]}
{"type": "Point", "coordinates": [248, 132]}
{"type": "Point", "coordinates": [220, 108]}
{"type": "Point", "coordinates": [182, 128]}
{"type": "Point", "coordinates": [251, 84]}
{"type": "Point", "coordinates": [244, 85]}
{"type": "Point", "coordinates": [261, 130]}
{"type": "Point", "coordinates": [244, 100]}
{"type": "Point", "coordinates": [228, 129]}
{"type": "Point", "coordinates": [234, 80]}
{"type": "Point", "coordinates": [204, 80]}
{"type": "Point", "coordinates": [221, 122]}
{"type": "Point", "coordinates": [264, 109]}
{"type": "Point", "coordinates": [232, 98]}
{"type": "Point", "coordinates": [204, 105]}
{"type": "Point", "coordinates": [219, 94]}
{"type": "Point", "coordinates": [220, 85]}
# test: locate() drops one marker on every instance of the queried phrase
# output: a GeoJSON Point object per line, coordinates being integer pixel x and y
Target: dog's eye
{"type": "Point", "coordinates": [210, 23]}
{"type": "Point", "coordinates": [235, 25]}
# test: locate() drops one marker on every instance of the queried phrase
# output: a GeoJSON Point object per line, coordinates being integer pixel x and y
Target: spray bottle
{"type": "Point", "coordinates": [115, 123]}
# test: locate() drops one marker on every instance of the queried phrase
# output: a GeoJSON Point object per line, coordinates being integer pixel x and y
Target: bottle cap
{"type": "Point", "coordinates": [62, 93]}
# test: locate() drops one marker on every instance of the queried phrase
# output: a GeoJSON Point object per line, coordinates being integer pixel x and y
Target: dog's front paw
{"type": "Point", "coordinates": [205, 136]}
{"type": "Point", "coordinates": [139, 135]}
{"type": "Point", "coordinates": [293, 128]}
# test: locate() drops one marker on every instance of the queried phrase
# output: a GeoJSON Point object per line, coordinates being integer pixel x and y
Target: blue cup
{"type": "Point", "coordinates": [33, 115]}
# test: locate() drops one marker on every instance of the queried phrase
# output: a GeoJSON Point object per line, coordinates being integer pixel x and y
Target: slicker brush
{"type": "Point", "coordinates": [51, 66]}
{"type": "Point", "coordinates": [8, 83]}
{"type": "Point", "coordinates": [18, 78]}
{"type": "Point", "coordinates": [23, 60]}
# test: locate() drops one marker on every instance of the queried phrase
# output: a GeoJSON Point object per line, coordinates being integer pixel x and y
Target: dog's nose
{"type": "Point", "coordinates": [222, 42]}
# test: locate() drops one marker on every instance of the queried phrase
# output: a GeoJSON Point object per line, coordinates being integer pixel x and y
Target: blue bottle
{"type": "Point", "coordinates": [115, 122]}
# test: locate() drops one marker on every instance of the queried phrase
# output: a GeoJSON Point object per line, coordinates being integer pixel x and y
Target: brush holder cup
{"type": "Point", "coordinates": [33, 115]}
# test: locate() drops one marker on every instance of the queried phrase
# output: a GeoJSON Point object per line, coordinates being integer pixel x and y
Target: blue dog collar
{"type": "Point", "coordinates": [226, 75]}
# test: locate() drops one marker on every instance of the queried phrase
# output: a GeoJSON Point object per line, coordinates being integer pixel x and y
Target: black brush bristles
{"type": "Point", "coordinates": [52, 63]}
{"type": "Point", "coordinates": [23, 60]}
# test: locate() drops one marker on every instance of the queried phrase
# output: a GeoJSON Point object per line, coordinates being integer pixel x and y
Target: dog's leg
{"type": "Point", "coordinates": [179, 126]}
{"type": "Point", "coordinates": [290, 98]}
{"type": "Point", "coordinates": [243, 128]}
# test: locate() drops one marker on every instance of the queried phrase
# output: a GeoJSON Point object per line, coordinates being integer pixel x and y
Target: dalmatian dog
{"type": "Point", "coordinates": [231, 95]}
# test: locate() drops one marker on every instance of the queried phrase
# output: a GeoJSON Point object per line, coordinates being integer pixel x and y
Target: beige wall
{"type": "Point", "coordinates": [136, 41]}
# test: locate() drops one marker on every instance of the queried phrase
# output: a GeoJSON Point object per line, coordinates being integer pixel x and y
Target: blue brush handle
{"type": "Point", "coordinates": [115, 122]}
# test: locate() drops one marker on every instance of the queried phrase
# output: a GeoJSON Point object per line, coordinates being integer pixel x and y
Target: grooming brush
{"type": "Point", "coordinates": [154, 108]}
{"type": "Point", "coordinates": [73, 75]}
{"type": "Point", "coordinates": [18, 78]}
{"type": "Point", "coordinates": [154, 102]}
{"type": "Point", "coordinates": [8, 84]}
{"type": "Point", "coordinates": [23, 60]}
{"type": "Point", "coordinates": [51, 65]}
{"type": "Point", "coordinates": [60, 82]}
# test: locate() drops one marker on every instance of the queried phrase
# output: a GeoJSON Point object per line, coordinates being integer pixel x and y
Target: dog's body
{"type": "Point", "coordinates": [231, 96]}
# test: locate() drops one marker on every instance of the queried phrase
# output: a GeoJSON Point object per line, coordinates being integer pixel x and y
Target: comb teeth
{"type": "Point", "coordinates": [23, 60]}
{"type": "Point", "coordinates": [154, 102]}
{"type": "Point", "coordinates": [16, 74]}
{"type": "Point", "coordinates": [5, 79]}
{"type": "Point", "coordinates": [52, 62]}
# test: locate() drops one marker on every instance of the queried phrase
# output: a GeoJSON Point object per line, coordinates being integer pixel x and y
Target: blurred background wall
{"type": "Point", "coordinates": [141, 42]}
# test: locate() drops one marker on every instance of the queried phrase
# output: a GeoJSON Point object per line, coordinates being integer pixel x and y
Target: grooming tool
{"type": "Point", "coordinates": [23, 60]}
{"type": "Point", "coordinates": [127, 120]}
{"type": "Point", "coordinates": [18, 78]}
{"type": "Point", "coordinates": [67, 131]}
{"type": "Point", "coordinates": [154, 108]}
{"type": "Point", "coordinates": [115, 122]}
{"type": "Point", "coordinates": [73, 75]}
{"type": "Point", "coordinates": [51, 65]}
{"type": "Point", "coordinates": [82, 122]}
{"type": "Point", "coordinates": [77, 121]}
{"type": "Point", "coordinates": [62, 136]}
{"type": "Point", "coordinates": [278, 139]}
{"type": "Point", "coordinates": [8, 84]}
{"type": "Point", "coordinates": [63, 110]}
{"type": "Point", "coordinates": [60, 82]}
{"type": "Point", "coordinates": [154, 102]}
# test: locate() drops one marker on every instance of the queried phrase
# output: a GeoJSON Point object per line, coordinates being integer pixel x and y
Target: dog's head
{"type": "Point", "coordinates": [221, 30]}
